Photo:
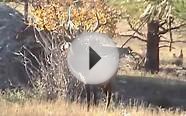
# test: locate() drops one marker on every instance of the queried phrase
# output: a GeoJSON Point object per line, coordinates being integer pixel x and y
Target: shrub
{"type": "Point", "coordinates": [63, 21]}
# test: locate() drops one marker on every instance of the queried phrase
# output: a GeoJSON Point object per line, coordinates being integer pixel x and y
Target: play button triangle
{"type": "Point", "coordinates": [93, 58]}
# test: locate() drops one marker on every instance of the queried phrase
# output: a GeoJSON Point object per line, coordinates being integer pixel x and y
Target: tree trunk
{"type": "Point", "coordinates": [152, 56]}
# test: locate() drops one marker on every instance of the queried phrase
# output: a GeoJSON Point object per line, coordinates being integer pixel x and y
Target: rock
{"type": "Point", "coordinates": [14, 36]}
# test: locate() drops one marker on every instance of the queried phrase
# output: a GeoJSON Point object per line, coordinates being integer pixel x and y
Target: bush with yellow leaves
{"type": "Point", "coordinates": [64, 19]}
{"type": "Point", "coordinates": [74, 16]}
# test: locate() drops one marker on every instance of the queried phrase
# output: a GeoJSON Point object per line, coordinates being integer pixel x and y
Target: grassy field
{"type": "Point", "coordinates": [60, 108]}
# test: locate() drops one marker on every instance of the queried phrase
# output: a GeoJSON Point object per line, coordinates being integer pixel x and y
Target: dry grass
{"type": "Point", "coordinates": [60, 108]}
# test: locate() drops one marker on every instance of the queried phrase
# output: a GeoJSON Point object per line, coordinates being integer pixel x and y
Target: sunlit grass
{"type": "Point", "coordinates": [61, 108]}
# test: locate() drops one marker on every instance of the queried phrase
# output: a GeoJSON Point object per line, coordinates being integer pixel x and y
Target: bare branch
{"type": "Point", "coordinates": [161, 36]}
{"type": "Point", "coordinates": [172, 28]}
{"type": "Point", "coordinates": [98, 23]}
{"type": "Point", "coordinates": [136, 37]}
{"type": "Point", "coordinates": [34, 56]}
{"type": "Point", "coordinates": [133, 28]}
{"type": "Point", "coordinates": [126, 42]}
{"type": "Point", "coordinates": [163, 23]}
{"type": "Point", "coordinates": [26, 10]}
{"type": "Point", "coordinates": [133, 34]}
{"type": "Point", "coordinates": [170, 32]}
{"type": "Point", "coordinates": [178, 41]}
{"type": "Point", "coordinates": [166, 46]}
{"type": "Point", "coordinates": [163, 28]}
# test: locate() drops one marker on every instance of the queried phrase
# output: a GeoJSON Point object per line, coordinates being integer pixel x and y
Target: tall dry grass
{"type": "Point", "coordinates": [61, 108]}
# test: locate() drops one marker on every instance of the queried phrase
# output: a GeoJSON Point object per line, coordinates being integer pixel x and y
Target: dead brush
{"type": "Point", "coordinates": [50, 78]}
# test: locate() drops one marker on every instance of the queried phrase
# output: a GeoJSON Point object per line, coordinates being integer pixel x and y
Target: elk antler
{"type": "Point", "coordinates": [98, 24]}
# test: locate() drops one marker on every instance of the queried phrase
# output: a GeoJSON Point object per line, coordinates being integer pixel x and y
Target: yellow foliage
{"type": "Point", "coordinates": [76, 15]}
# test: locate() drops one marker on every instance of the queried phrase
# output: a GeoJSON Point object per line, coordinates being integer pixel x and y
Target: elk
{"type": "Point", "coordinates": [106, 86]}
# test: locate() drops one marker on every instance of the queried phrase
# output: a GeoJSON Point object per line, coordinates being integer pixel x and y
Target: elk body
{"type": "Point", "coordinates": [106, 86]}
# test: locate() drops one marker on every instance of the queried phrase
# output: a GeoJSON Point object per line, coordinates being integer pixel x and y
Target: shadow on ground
{"type": "Point", "coordinates": [155, 91]}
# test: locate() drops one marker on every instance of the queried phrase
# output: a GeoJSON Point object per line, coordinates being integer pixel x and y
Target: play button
{"type": "Point", "coordinates": [93, 58]}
